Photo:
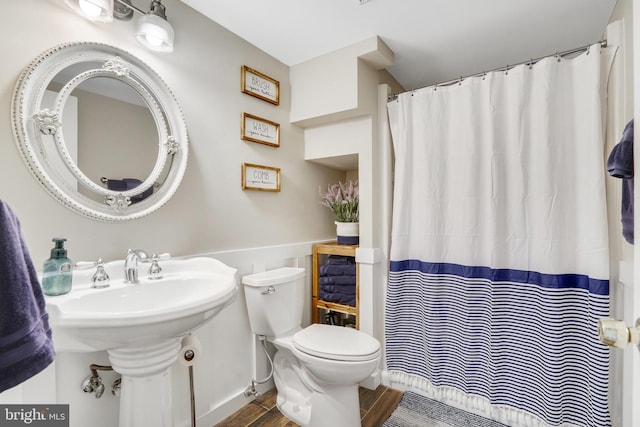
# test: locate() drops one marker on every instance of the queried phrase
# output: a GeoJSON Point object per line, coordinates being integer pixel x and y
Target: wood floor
{"type": "Point", "coordinates": [375, 407]}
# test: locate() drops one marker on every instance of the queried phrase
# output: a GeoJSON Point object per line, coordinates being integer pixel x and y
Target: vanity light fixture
{"type": "Point", "coordinates": [94, 10]}
{"type": "Point", "coordinates": [153, 30]}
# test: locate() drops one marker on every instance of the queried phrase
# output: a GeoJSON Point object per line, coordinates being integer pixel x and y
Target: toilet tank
{"type": "Point", "coordinates": [275, 300]}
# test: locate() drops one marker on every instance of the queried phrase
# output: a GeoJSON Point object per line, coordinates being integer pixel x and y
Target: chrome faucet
{"type": "Point", "coordinates": [131, 264]}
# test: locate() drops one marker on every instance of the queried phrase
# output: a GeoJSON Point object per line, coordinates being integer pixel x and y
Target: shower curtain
{"type": "Point", "coordinates": [499, 254]}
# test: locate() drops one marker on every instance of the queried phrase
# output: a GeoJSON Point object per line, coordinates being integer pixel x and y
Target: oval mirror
{"type": "Point", "coordinates": [100, 130]}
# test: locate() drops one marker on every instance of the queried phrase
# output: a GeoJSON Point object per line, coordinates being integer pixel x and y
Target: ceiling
{"type": "Point", "coordinates": [433, 40]}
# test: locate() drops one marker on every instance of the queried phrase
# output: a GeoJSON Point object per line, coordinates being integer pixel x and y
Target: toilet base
{"type": "Point", "coordinates": [310, 402]}
{"type": "Point", "coordinates": [336, 406]}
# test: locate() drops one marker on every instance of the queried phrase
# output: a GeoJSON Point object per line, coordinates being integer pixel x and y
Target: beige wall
{"type": "Point", "coordinates": [209, 212]}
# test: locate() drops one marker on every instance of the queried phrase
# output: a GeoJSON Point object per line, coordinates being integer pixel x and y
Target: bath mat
{"type": "Point", "coordinates": [418, 411]}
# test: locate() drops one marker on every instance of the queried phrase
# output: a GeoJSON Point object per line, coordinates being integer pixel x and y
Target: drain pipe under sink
{"type": "Point", "coordinates": [93, 383]}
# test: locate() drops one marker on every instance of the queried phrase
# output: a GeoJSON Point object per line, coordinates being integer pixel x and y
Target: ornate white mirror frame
{"type": "Point", "coordinates": [34, 123]}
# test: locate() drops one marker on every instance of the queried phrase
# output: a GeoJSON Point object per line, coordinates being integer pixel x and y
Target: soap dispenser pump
{"type": "Point", "coordinates": [57, 271]}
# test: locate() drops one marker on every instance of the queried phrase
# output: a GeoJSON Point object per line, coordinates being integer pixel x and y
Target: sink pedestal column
{"type": "Point", "coordinates": [145, 394]}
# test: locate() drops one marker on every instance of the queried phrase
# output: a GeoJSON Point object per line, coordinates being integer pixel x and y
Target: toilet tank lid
{"type": "Point", "coordinates": [273, 277]}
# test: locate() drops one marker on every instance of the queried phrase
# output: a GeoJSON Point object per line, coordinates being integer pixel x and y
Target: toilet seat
{"type": "Point", "coordinates": [336, 343]}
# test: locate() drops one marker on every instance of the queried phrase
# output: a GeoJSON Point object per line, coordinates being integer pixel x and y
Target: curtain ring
{"type": "Point", "coordinates": [506, 70]}
{"type": "Point", "coordinates": [558, 56]}
{"type": "Point", "coordinates": [460, 81]}
{"type": "Point", "coordinates": [484, 75]}
{"type": "Point", "coordinates": [531, 64]}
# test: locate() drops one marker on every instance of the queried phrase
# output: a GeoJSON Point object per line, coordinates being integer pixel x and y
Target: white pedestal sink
{"type": "Point", "coordinates": [141, 326]}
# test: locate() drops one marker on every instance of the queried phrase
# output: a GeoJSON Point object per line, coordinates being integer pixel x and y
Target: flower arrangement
{"type": "Point", "coordinates": [342, 199]}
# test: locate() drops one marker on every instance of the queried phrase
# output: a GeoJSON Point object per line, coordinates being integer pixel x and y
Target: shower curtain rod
{"type": "Point", "coordinates": [530, 62]}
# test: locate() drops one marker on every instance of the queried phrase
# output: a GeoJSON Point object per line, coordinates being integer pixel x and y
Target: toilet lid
{"type": "Point", "coordinates": [336, 343]}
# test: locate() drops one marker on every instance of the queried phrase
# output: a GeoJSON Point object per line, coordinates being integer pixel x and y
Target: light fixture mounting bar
{"type": "Point", "coordinates": [123, 9]}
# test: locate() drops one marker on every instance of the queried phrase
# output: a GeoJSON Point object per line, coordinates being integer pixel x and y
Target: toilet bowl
{"type": "Point", "coordinates": [336, 355]}
{"type": "Point", "coordinates": [316, 369]}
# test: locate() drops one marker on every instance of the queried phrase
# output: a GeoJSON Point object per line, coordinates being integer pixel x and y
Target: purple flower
{"type": "Point", "coordinates": [343, 200]}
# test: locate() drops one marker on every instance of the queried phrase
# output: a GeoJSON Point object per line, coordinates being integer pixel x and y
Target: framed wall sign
{"type": "Point", "coordinates": [259, 85]}
{"type": "Point", "coordinates": [261, 178]}
{"type": "Point", "coordinates": [263, 131]}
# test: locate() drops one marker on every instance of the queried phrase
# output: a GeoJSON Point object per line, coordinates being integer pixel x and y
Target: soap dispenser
{"type": "Point", "coordinates": [57, 271]}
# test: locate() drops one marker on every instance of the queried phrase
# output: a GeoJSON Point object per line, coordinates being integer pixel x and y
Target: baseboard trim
{"type": "Point", "coordinates": [218, 413]}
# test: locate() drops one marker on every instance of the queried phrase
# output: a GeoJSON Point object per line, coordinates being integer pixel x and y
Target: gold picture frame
{"type": "Point", "coordinates": [260, 178]}
{"type": "Point", "coordinates": [262, 131]}
{"type": "Point", "coordinates": [260, 85]}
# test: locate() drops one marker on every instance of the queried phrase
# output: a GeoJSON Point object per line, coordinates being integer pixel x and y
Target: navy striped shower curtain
{"type": "Point", "coordinates": [499, 253]}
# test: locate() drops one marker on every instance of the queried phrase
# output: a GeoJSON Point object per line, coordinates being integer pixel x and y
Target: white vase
{"type": "Point", "coordinates": [348, 233]}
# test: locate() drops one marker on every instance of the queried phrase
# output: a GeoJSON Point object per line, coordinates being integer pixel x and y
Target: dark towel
{"type": "Point", "coordinates": [337, 280]}
{"type": "Point", "coordinates": [338, 270]}
{"type": "Point", "coordinates": [338, 298]}
{"type": "Point", "coordinates": [126, 184]}
{"type": "Point", "coordinates": [25, 336]}
{"type": "Point", "coordinates": [340, 260]}
{"type": "Point", "coordinates": [620, 165]}
{"type": "Point", "coordinates": [340, 289]}
{"type": "Point", "coordinates": [116, 185]}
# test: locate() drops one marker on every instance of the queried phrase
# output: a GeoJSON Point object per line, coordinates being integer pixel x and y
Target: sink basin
{"type": "Point", "coordinates": [190, 293]}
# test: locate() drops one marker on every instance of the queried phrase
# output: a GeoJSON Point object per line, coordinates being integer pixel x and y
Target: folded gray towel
{"type": "Point", "coordinates": [337, 280]}
{"type": "Point", "coordinates": [338, 270]}
{"type": "Point", "coordinates": [340, 260]}
{"type": "Point", "coordinates": [25, 336]}
{"type": "Point", "coordinates": [338, 298]}
{"type": "Point", "coordinates": [339, 289]}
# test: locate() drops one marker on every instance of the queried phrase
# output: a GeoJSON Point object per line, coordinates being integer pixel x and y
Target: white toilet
{"type": "Point", "coordinates": [316, 369]}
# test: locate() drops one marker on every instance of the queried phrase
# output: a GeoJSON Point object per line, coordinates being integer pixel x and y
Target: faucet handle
{"type": "Point", "coordinates": [100, 278]}
{"type": "Point", "coordinates": [82, 265]}
{"type": "Point", "coordinates": [155, 271]}
{"type": "Point", "coordinates": [156, 257]}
